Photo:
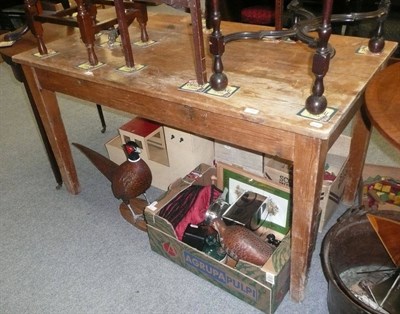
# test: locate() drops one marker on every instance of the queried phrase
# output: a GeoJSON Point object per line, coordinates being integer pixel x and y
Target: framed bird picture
{"type": "Point", "coordinates": [254, 201]}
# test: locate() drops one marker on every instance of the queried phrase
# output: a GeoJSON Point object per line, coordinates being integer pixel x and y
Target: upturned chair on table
{"type": "Point", "coordinates": [86, 21]}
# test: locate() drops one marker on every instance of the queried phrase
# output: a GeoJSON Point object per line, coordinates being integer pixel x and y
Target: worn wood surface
{"type": "Point", "coordinates": [274, 78]}
{"type": "Point", "coordinates": [274, 81]}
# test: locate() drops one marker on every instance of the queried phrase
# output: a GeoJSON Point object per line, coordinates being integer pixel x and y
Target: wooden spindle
{"type": "Point", "coordinates": [218, 80]}
{"type": "Point", "coordinates": [33, 8]}
{"type": "Point", "coordinates": [124, 33]}
{"type": "Point", "coordinates": [316, 103]}
{"type": "Point", "coordinates": [142, 19]}
{"type": "Point", "coordinates": [85, 22]}
{"type": "Point", "coordinates": [377, 42]}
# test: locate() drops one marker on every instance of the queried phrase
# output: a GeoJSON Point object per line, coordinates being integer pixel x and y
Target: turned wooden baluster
{"type": "Point", "coordinates": [85, 22]}
{"type": "Point", "coordinates": [142, 19]}
{"type": "Point", "coordinates": [123, 31]}
{"type": "Point", "coordinates": [377, 42]}
{"type": "Point", "coordinates": [32, 9]}
{"type": "Point", "coordinates": [316, 103]}
{"type": "Point", "coordinates": [218, 80]}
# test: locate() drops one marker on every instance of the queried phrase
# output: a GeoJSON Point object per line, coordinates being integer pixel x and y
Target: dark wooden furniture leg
{"type": "Point", "coordinates": [85, 22]}
{"type": "Point", "coordinates": [278, 14]}
{"type": "Point", "coordinates": [142, 19]}
{"type": "Point", "coordinates": [198, 41]}
{"type": "Point", "coordinates": [123, 30]}
{"type": "Point", "coordinates": [218, 80]}
{"type": "Point", "coordinates": [19, 75]}
{"type": "Point", "coordinates": [377, 42]}
{"type": "Point", "coordinates": [32, 9]}
{"type": "Point", "coordinates": [316, 103]}
{"type": "Point", "coordinates": [101, 116]}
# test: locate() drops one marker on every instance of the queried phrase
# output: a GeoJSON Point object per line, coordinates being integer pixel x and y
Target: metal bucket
{"type": "Point", "coordinates": [349, 244]}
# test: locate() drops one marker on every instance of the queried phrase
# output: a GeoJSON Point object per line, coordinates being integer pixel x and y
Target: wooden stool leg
{"type": "Point", "coordinates": [123, 30]}
{"type": "Point", "coordinates": [34, 8]}
{"type": "Point", "coordinates": [317, 103]}
{"type": "Point", "coordinates": [142, 19]}
{"type": "Point", "coordinates": [85, 22]}
{"type": "Point", "coordinates": [92, 10]}
{"type": "Point", "coordinates": [198, 42]}
{"type": "Point", "coordinates": [218, 80]}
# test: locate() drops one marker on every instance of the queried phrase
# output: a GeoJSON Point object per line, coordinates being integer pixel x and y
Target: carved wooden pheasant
{"type": "Point", "coordinates": [241, 243]}
{"type": "Point", "coordinates": [128, 181]}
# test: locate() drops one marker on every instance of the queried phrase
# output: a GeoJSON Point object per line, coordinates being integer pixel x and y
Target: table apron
{"type": "Point", "coordinates": [235, 131]}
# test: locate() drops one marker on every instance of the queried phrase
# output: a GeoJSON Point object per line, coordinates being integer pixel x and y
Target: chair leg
{"type": "Point", "coordinates": [32, 9]}
{"type": "Point", "coordinates": [278, 14]}
{"type": "Point", "coordinates": [101, 116]}
{"type": "Point", "coordinates": [85, 22]}
{"type": "Point", "coordinates": [123, 31]}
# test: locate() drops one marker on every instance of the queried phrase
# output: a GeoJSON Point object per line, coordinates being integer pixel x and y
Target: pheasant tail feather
{"type": "Point", "coordinates": [103, 164]}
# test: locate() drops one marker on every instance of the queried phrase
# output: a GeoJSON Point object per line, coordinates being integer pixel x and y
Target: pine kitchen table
{"type": "Point", "coordinates": [274, 80]}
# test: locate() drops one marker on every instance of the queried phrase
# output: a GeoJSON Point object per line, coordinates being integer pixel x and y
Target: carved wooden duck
{"type": "Point", "coordinates": [241, 243]}
{"type": "Point", "coordinates": [129, 180]}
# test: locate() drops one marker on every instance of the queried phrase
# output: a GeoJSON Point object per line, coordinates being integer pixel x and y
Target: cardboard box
{"type": "Point", "coordinates": [247, 160]}
{"type": "Point", "coordinates": [332, 191]}
{"type": "Point", "coordinates": [263, 287]}
{"type": "Point", "coordinates": [278, 171]}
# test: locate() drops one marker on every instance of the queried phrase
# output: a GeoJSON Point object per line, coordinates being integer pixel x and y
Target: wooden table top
{"type": "Point", "coordinates": [274, 78]}
{"type": "Point", "coordinates": [383, 103]}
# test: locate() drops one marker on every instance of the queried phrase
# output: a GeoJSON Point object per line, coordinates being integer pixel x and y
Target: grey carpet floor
{"type": "Point", "coordinates": [75, 254]}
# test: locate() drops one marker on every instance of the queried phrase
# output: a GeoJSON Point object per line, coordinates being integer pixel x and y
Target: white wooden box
{"type": "Point", "coordinates": [186, 151]}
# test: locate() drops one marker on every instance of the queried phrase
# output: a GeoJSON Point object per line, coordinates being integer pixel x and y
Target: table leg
{"type": "Point", "coordinates": [47, 106]}
{"type": "Point", "coordinates": [50, 154]}
{"type": "Point", "coordinates": [308, 167]}
{"type": "Point", "coordinates": [358, 152]}
{"type": "Point", "coordinates": [19, 75]}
